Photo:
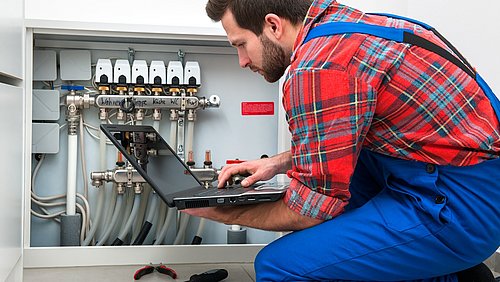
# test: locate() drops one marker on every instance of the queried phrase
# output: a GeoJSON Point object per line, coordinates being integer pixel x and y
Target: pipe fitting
{"type": "Point", "coordinates": [156, 114]}
{"type": "Point", "coordinates": [120, 189]}
{"type": "Point", "coordinates": [138, 188]}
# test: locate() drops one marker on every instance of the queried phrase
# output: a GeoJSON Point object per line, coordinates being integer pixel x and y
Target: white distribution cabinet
{"type": "Point", "coordinates": [225, 131]}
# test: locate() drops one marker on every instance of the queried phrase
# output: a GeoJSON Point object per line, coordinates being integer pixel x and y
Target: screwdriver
{"type": "Point", "coordinates": [213, 275]}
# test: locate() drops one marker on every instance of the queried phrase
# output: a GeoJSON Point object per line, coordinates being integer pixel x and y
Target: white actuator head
{"type": "Point", "coordinates": [104, 71]}
{"type": "Point", "coordinates": [192, 74]}
{"type": "Point", "coordinates": [157, 73]}
{"type": "Point", "coordinates": [175, 73]}
{"type": "Point", "coordinates": [121, 72]}
{"type": "Point", "coordinates": [140, 73]}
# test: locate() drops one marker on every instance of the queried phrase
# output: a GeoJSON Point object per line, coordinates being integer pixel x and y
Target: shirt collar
{"type": "Point", "coordinates": [316, 9]}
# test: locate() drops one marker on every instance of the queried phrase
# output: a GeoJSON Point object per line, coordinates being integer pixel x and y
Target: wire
{"type": "Point", "coordinates": [84, 219]}
{"type": "Point", "coordinates": [82, 159]}
{"type": "Point", "coordinates": [47, 216]}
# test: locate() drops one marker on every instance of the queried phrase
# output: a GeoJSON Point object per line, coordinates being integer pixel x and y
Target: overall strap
{"type": "Point", "coordinates": [403, 35]}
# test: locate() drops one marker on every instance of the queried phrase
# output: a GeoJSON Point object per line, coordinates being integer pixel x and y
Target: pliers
{"type": "Point", "coordinates": [150, 268]}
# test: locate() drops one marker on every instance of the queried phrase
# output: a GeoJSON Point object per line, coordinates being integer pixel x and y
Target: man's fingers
{"type": "Point", "coordinates": [228, 171]}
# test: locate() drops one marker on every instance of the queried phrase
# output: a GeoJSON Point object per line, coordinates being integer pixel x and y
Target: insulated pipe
{"type": "Point", "coordinates": [95, 224]}
{"type": "Point", "coordinates": [156, 125]}
{"type": "Point", "coordinates": [197, 238]}
{"type": "Point", "coordinates": [160, 219]}
{"type": "Point", "coordinates": [153, 208]}
{"type": "Point", "coordinates": [146, 227]}
{"type": "Point", "coordinates": [71, 180]}
{"type": "Point", "coordinates": [129, 204]}
{"type": "Point", "coordinates": [102, 191]}
{"type": "Point", "coordinates": [109, 228]}
{"type": "Point", "coordinates": [190, 136]}
{"type": "Point", "coordinates": [133, 214]}
{"type": "Point", "coordinates": [170, 215]}
{"type": "Point", "coordinates": [173, 135]}
{"type": "Point", "coordinates": [108, 214]}
{"type": "Point", "coordinates": [184, 220]}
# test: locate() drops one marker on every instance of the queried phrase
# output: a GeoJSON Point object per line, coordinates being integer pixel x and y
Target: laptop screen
{"type": "Point", "coordinates": [143, 146]}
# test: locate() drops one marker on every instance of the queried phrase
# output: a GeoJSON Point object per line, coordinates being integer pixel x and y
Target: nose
{"type": "Point", "coordinates": [244, 60]}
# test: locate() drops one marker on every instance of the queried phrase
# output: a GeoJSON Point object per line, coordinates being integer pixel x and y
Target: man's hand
{"type": "Point", "coordinates": [263, 169]}
{"type": "Point", "coordinates": [275, 216]}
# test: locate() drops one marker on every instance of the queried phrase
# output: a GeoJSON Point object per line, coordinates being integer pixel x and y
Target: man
{"type": "Point", "coordinates": [394, 163]}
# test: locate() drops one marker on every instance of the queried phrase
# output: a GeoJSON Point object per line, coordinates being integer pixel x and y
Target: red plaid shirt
{"type": "Point", "coordinates": [353, 91]}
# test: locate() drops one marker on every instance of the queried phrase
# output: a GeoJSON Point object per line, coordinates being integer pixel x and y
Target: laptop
{"type": "Point", "coordinates": [172, 179]}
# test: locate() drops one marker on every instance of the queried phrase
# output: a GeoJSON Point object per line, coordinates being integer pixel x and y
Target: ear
{"type": "Point", "coordinates": [273, 26]}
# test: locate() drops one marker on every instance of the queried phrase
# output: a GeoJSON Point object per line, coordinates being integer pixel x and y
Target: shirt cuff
{"type": "Point", "coordinates": [307, 202]}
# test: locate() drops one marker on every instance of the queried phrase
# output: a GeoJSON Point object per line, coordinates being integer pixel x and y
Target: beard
{"type": "Point", "coordinates": [274, 60]}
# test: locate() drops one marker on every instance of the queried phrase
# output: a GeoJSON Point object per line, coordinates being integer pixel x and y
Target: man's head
{"type": "Point", "coordinates": [263, 31]}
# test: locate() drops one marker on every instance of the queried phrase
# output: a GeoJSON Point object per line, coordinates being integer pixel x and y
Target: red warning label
{"type": "Point", "coordinates": [257, 108]}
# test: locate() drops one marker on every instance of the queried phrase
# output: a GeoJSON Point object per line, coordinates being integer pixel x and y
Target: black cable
{"type": "Point", "coordinates": [146, 227]}
{"type": "Point", "coordinates": [117, 242]}
{"type": "Point", "coordinates": [196, 240]}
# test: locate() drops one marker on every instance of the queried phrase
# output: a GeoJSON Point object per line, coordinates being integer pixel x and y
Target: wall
{"type": "Point", "coordinates": [149, 12]}
{"type": "Point", "coordinates": [472, 28]}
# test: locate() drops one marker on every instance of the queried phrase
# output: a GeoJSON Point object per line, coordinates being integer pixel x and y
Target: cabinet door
{"type": "Point", "coordinates": [11, 37]}
{"type": "Point", "coordinates": [11, 166]}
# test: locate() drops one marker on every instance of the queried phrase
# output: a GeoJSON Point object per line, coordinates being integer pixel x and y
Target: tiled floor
{"type": "Point", "coordinates": [237, 273]}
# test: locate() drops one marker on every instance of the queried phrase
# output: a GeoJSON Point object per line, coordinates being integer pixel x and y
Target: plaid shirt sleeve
{"type": "Point", "coordinates": [329, 113]}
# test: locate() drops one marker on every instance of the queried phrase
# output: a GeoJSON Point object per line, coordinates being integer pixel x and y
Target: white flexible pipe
{"type": "Point", "coordinates": [71, 180]}
{"type": "Point", "coordinates": [153, 208]}
{"type": "Point", "coordinates": [108, 214]}
{"type": "Point", "coordinates": [184, 220]}
{"type": "Point", "coordinates": [190, 136]}
{"type": "Point", "coordinates": [93, 229]}
{"type": "Point", "coordinates": [201, 226]}
{"type": "Point", "coordinates": [109, 228]}
{"type": "Point", "coordinates": [129, 202]}
{"type": "Point", "coordinates": [160, 219]}
{"type": "Point", "coordinates": [170, 215]}
{"type": "Point", "coordinates": [173, 135]}
{"type": "Point", "coordinates": [131, 218]}
{"type": "Point", "coordinates": [102, 192]}
{"type": "Point", "coordinates": [142, 210]}
{"type": "Point", "coordinates": [156, 125]}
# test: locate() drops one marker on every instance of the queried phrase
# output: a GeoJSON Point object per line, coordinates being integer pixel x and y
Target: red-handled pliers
{"type": "Point", "coordinates": [150, 268]}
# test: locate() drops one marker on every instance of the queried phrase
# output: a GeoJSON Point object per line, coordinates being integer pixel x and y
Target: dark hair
{"type": "Point", "coordinates": [250, 14]}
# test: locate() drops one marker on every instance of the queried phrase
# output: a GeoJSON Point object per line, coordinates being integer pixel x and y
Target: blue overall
{"type": "Point", "coordinates": [406, 220]}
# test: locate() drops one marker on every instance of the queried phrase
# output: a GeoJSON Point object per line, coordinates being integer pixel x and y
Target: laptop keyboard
{"type": "Point", "coordinates": [223, 191]}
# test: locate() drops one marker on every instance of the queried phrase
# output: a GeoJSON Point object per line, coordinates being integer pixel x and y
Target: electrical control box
{"type": "Point", "coordinates": [44, 65]}
{"type": "Point", "coordinates": [45, 138]}
{"type": "Point", "coordinates": [74, 64]}
{"type": "Point", "coordinates": [46, 104]}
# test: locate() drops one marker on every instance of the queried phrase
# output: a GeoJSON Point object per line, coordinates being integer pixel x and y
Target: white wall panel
{"type": "Point", "coordinates": [11, 180]}
{"type": "Point", "coordinates": [147, 12]}
{"type": "Point", "coordinates": [11, 37]}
